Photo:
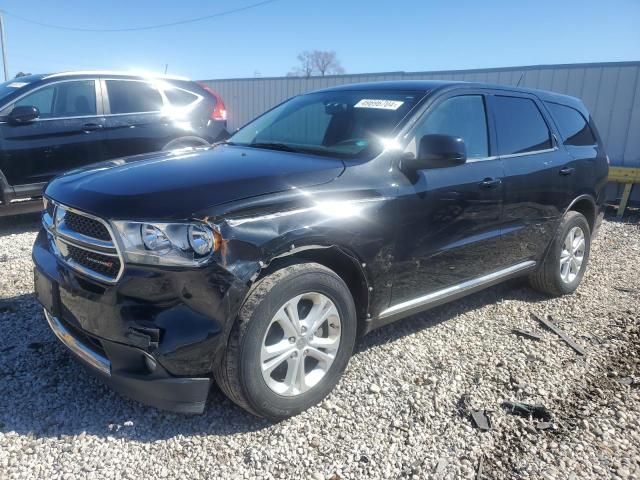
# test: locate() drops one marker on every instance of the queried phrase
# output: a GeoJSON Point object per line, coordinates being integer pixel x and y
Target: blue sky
{"type": "Point", "coordinates": [369, 36]}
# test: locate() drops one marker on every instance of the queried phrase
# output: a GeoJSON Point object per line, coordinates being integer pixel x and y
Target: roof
{"type": "Point", "coordinates": [431, 85]}
{"type": "Point", "coordinates": [410, 85]}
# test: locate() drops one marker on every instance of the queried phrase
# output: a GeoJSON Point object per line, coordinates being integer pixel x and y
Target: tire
{"type": "Point", "coordinates": [240, 372]}
{"type": "Point", "coordinates": [185, 142]}
{"type": "Point", "coordinates": [5, 189]}
{"type": "Point", "coordinates": [550, 277]}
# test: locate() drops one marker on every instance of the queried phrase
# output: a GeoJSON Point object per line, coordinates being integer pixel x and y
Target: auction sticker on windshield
{"type": "Point", "coordinates": [383, 104]}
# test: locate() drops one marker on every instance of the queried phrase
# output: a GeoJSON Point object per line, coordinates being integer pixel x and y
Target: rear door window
{"type": "Point", "coordinates": [131, 96]}
{"type": "Point", "coordinates": [462, 117]}
{"type": "Point", "coordinates": [573, 127]}
{"type": "Point", "coordinates": [520, 125]}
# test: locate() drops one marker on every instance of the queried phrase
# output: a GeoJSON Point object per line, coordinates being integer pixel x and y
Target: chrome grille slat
{"type": "Point", "coordinates": [90, 243]}
{"type": "Point", "coordinates": [49, 207]}
{"type": "Point", "coordinates": [88, 248]}
{"type": "Point", "coordinates": [74, 243]}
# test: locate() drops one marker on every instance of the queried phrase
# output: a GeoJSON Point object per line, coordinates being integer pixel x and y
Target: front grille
{"type": "Point", "coordinates": [102, 264]}
{"type": "Point", "coordinates": [83, 242]}
{"type": "Point", "coordinates": [86, 226]}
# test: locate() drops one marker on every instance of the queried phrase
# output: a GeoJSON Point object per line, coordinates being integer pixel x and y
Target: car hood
{"type": "Point", "coordinates": [174, 185]}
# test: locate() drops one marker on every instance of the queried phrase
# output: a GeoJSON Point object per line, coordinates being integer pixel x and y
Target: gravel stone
{"type": "Point", "coordinates": [57, 422]}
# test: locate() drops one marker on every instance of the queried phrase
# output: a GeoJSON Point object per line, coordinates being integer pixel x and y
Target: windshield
{"type": "Point", "coordinates": [336, 123]}
{"type": "Point", "coordinates": [12, 86]}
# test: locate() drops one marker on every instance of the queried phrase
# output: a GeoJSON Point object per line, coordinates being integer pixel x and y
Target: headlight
{"type": "Point", "coordinates": [185, 244]}
{"type": "Point", "coordinates": [201, 239]}
{"type": "Point", "coordinates": [154, 239]}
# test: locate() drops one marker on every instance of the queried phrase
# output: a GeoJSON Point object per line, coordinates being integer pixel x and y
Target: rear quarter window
{"type": "Point", "coordinates": [180, 98]}
{"type": "Point", "coordinates": [573, 127]}
{"type": "Point", "coordinates": [520, 125]}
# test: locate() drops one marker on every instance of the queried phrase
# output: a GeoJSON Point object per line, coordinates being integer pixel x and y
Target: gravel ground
{"type": "Point", "coordinates": [399, 412]}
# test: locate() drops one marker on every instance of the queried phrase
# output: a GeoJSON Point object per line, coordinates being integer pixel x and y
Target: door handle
{"type": "Point", "coordinates": [91, 127]}
{"type": "Point", "coordinates": [566, 171]}
{"type": "Point", "coordinates": [490, 183]}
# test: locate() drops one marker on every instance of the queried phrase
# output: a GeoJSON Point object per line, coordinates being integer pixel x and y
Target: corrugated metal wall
{"type": "Point", "coordinates": [611, 91]}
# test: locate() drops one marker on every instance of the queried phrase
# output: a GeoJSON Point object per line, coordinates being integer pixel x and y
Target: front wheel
{"type": "Point", "coordinates": [291, 342]}
{"type": "Point", "coordinates": [563, 268]}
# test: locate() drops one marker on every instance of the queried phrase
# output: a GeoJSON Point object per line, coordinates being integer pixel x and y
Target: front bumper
{"type": "Point", "coordinates": [154, 336]}
{"type": "Point", "coordinates": [184, 395]}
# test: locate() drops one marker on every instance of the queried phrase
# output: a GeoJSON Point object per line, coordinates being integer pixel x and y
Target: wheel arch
{"type": "Point", "coordinates": [586, 205]}
{"type": "Point", "coordinates": [583, 204]}
{"type": "Point", "coordinates": [337, 259]}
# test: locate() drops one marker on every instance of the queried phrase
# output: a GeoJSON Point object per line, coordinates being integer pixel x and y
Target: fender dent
{"type": "Point", "coordinates": [251, 244]}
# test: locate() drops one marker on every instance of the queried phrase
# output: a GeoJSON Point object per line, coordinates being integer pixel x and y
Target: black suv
{"type": "Point", "coordinates": [53, 123]}
{"type": "Point", "coordinates": [257, 262]}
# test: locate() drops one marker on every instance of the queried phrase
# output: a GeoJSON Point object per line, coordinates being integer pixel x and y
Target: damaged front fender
{"type": "Point", "coordinates": [350, 235]}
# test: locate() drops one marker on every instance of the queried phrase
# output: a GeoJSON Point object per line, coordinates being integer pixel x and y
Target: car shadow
{"type": "Point", "coordinates": [631, 214]}
{"type": "Point", "coordinates": [45, 392]}
{"type": "Point", "coordinates": [17, 224]}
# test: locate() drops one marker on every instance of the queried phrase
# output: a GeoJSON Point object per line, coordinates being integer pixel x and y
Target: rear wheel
{"type": "Point", "coordinates": [562, 270]}
{"type": "Point", "coordinates": [291, 342]}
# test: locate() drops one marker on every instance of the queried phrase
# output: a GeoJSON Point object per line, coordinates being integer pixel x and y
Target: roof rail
{"type": "Point", "coordinates": [132, 73]}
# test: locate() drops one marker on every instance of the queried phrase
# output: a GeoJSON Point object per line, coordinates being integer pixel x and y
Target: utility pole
{"type": "Point", "coordinates": [4, 48]}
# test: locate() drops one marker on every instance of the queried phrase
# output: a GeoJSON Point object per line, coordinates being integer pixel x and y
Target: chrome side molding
{"type": "Point", "coordinates": [440, 296]}
{"type": "Point", "coordinates": [94, 359]}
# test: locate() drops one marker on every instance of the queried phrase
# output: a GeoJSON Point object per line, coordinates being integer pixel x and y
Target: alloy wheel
{"type": "Point", "coordinates": [572, 255]}
{"type": "Point", "coordinates": [300, 344]}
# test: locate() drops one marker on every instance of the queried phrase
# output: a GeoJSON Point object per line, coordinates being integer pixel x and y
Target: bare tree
{"type": "Point", "coordinates": [317, 62]}
{"type": "Point", "coordinates": [305, 67]}
{"type": "Point", "coordinates": [326, 63]}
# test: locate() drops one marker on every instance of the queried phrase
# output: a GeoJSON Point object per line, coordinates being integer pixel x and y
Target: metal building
{"type": "Point", "coordinates": [611, 91]}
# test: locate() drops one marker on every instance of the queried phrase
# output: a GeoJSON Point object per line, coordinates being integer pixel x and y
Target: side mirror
{"type": "Point", "coordinates": [437, 151]}
{"type": "Point", "coordinates": [23, 114]}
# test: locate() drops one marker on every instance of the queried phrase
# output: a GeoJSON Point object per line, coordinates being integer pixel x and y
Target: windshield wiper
{"type": "Point", "coordinates": [272, 146]}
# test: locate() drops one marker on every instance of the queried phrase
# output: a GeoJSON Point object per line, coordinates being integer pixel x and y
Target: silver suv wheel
{"type": "Point", "coordinates": [300, 344]}
{"type": "Point", "coordinates": [572, 255]}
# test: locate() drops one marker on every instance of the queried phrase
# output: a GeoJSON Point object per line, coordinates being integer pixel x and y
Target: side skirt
{"type": "Point", "coordinates": [439, 297]}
